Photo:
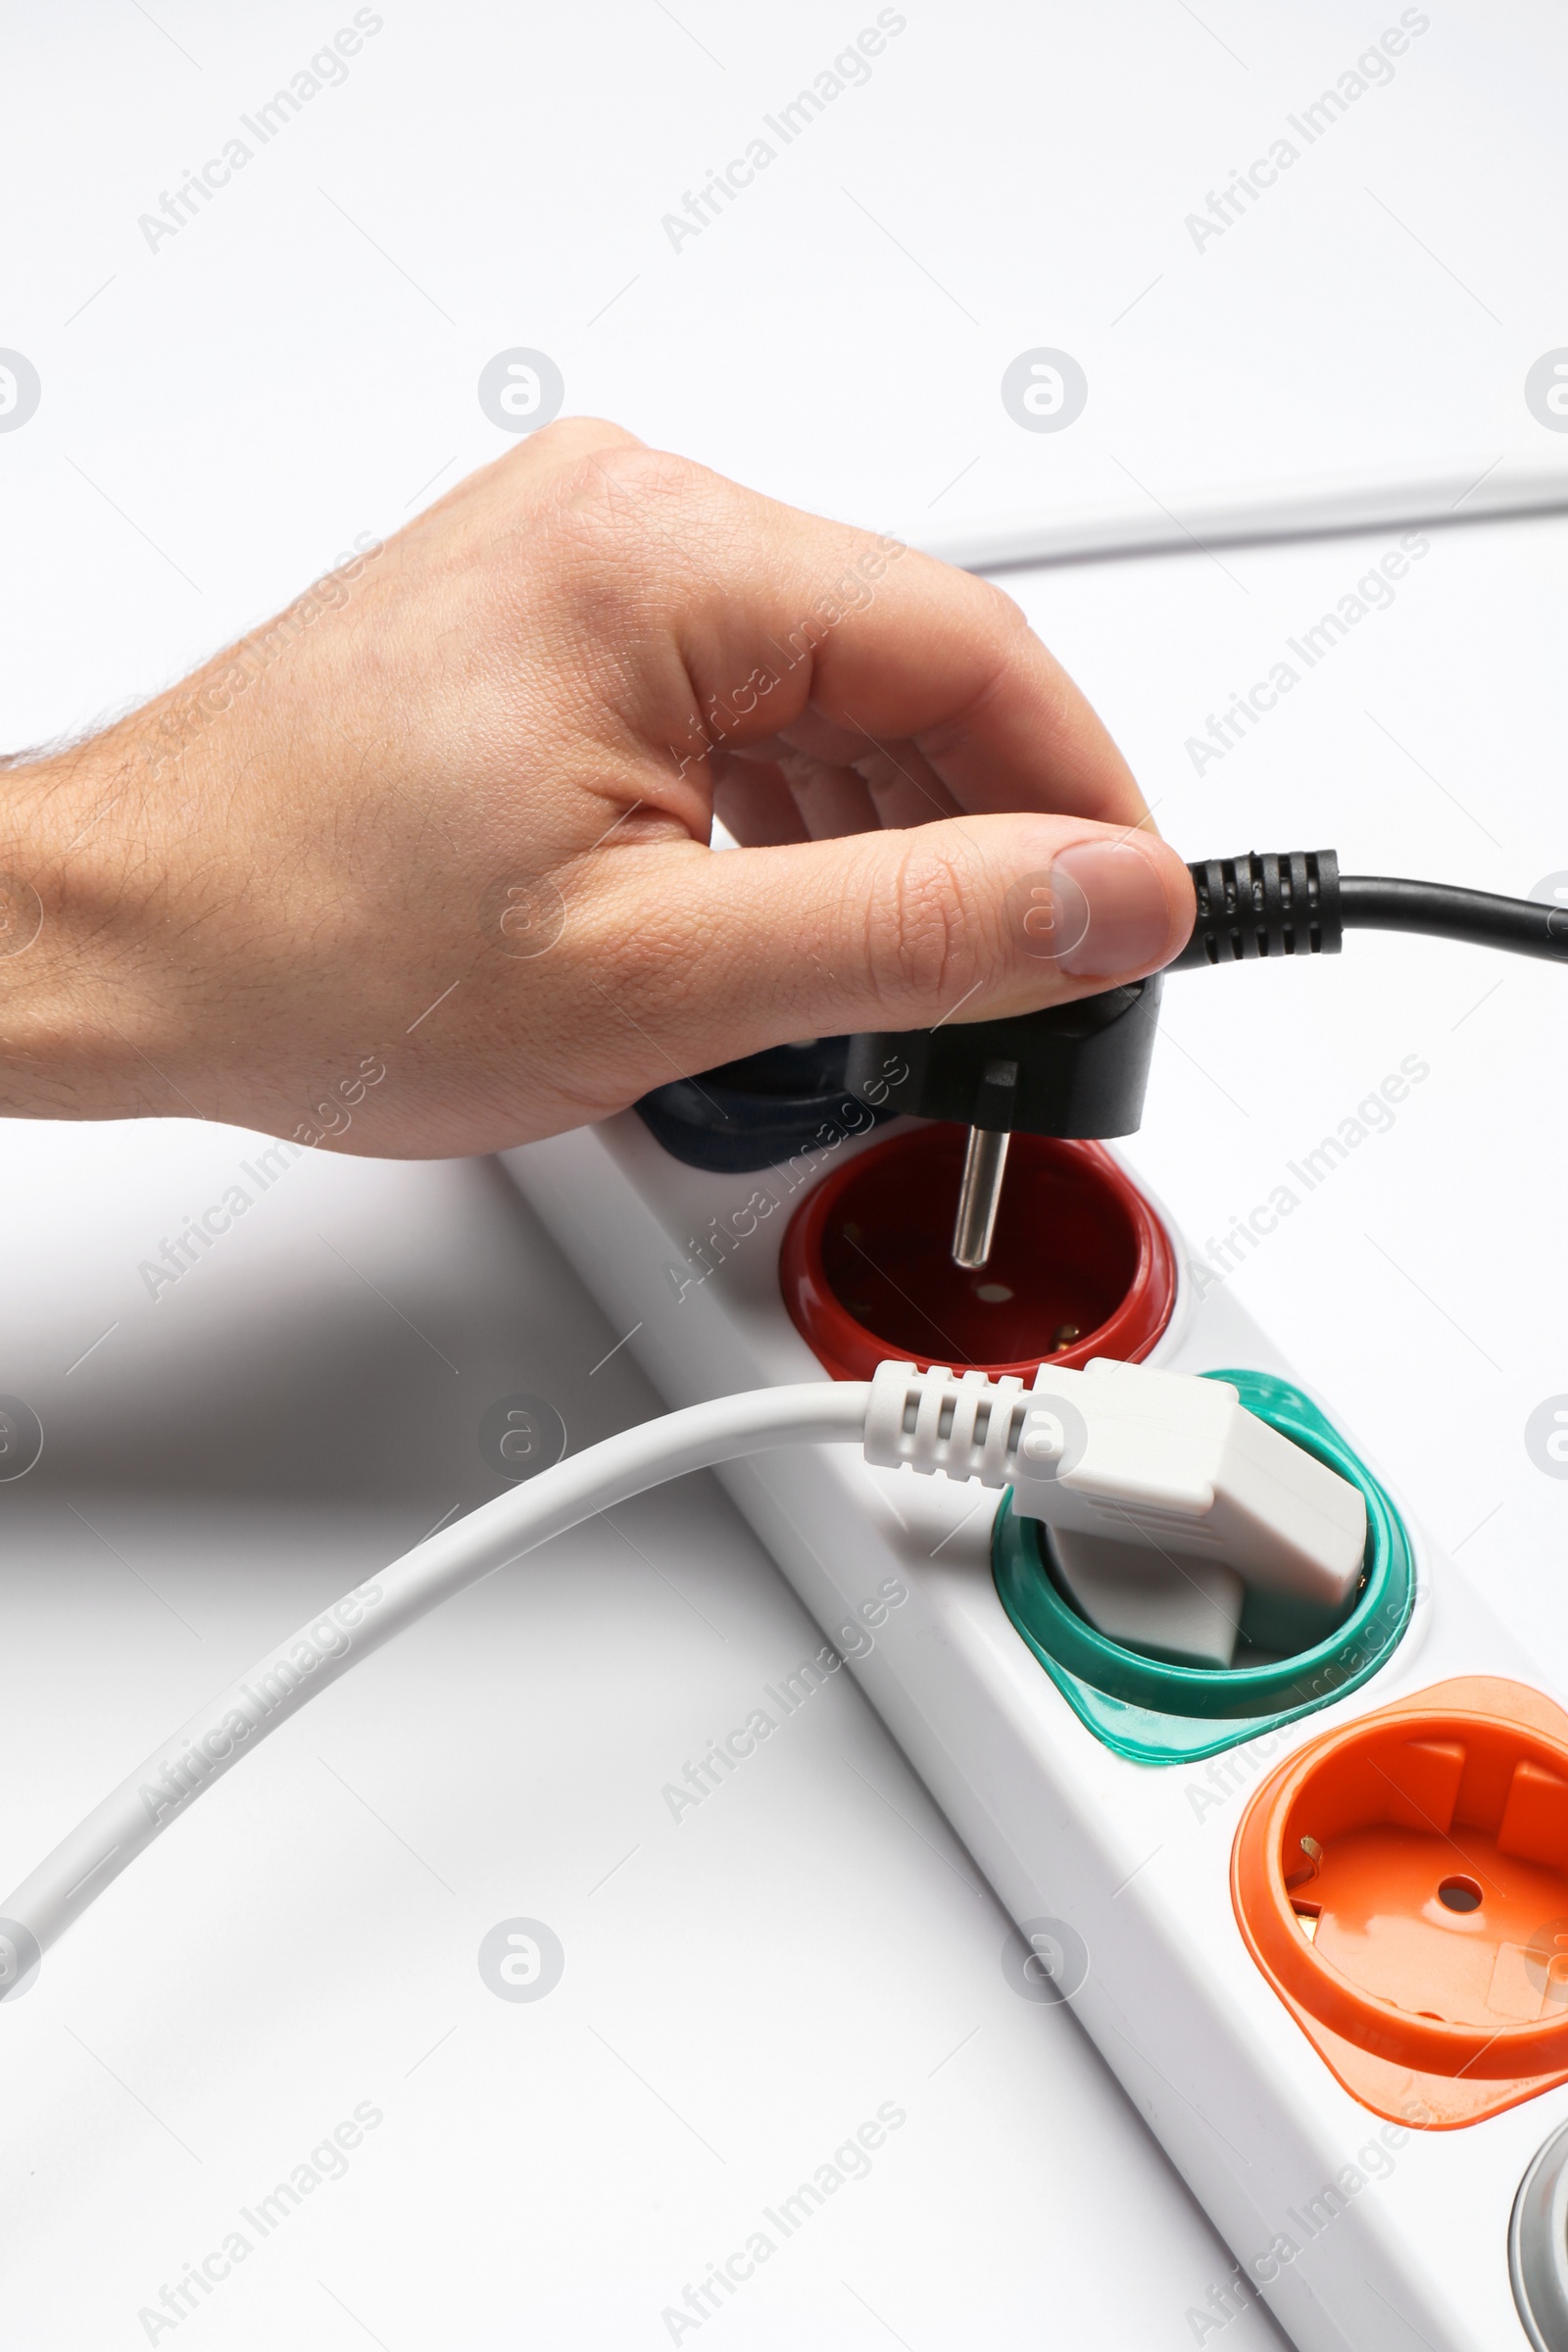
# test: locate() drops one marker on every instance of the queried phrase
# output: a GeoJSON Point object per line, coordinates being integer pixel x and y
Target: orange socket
{"type": "Point", "coordinates": [1403, 1883]}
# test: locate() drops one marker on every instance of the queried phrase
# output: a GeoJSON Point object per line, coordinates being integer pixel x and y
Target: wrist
{"type": "Point", "coordinates": [79, 1026]}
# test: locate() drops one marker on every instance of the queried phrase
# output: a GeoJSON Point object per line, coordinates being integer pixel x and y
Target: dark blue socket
{"type": "Point", "coordinates": [752, 1113]}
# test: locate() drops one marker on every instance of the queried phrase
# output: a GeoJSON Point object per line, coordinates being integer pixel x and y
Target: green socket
{"type": "Point", "coordinates": [1157, 1713]}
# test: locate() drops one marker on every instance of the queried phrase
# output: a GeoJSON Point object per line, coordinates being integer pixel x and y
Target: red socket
{"type": "Point", "coordinates": [1079, 1265]}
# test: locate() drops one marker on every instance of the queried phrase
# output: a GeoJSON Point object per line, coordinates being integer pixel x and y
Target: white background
{"type": "Point", "coordinates": [220, 416]}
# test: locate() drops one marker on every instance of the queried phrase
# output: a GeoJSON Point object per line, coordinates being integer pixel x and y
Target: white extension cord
{"type": "Point", "coordinates": [1167, 1467]}
{"type": "Point", "coordinates": [929, 1421]}
{"type": "Point", "coordinates": [1260, 514]}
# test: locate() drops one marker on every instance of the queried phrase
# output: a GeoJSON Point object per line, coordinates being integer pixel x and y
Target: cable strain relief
{"type": "Point", "coordinates": [1273, 904]}
{"type": "Point", "coordinates": [965, 1426]}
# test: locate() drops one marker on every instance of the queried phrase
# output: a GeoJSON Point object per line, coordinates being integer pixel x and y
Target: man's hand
{"type": "Point", "coordinates": [423, 867]}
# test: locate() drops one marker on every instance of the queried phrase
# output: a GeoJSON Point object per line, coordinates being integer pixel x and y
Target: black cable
{"type": "Point", "coordinates": [1297, 902]}
{"type": "Point", "coordinates": [1524, 926]}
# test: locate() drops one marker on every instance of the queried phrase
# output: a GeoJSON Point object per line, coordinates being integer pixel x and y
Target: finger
{"type": "Point", "coordinates": [895, 789]}
{"type": "Point", "coordinates": [834, 745]}
{"type": "Point", "coordinates": [771, 614]}
{"type": "Point", "coordinates": [879, 930]}
{"type": "Point", "coordinates": [831, 800]}
{"type": "Point", "coordinates": [754, 803]}
{"type": "Point", "coordinates": [904, 787]}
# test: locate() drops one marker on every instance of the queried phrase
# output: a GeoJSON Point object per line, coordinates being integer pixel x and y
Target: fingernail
{"type": "Point", "coordinates": [1129, 916]}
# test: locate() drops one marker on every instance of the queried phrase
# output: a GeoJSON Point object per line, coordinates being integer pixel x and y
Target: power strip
{"type": "Point", "coordinates": [1359, 2223]}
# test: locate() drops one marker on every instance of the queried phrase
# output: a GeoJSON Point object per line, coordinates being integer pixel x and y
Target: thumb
{"type": "Point", "coordinates": [967, 919]}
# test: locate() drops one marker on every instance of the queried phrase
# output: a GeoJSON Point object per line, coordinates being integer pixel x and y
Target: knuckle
{"type": "Point", "coordinates": [566, 438]}
{"type": "Point", "coordinates": [1005, 615]}
{"type": "Point", "coordinates": [615, 489]}
{"type": "Point", "coordinates": [628, 521]}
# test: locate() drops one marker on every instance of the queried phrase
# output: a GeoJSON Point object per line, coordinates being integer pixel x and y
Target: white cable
{"type": "Point", "coordinates": [1108, 1453]}
{"type": "Point", "coordinates": [927, 1421]}
{"type": "Point", "coordinates": [220, 1734]}
{"type": "Point", "coordinates": [1331, 505]}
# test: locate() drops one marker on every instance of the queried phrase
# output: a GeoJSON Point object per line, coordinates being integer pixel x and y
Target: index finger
{"type": "Point", "coordinates": [793, 628]}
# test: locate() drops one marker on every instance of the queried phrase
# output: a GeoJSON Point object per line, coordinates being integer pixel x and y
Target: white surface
{"type": "Point", "coordinates": [218, 420]}
{"type": "Point", "coordinates": [745, 1983]}
{"type": "Point", "coordinates": [298, 364]}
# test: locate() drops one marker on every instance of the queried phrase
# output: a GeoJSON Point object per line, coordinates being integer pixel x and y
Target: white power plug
{"type": "Point", "coordinates": [1172, 1509]}
{"type": "Point", "coordinates": [1170, 1504]}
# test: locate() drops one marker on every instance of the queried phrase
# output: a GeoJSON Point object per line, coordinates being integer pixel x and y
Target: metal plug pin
{"type": "Point", "coordinates": [985, 1163]}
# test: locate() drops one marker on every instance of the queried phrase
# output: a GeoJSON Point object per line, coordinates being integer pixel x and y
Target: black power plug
{"type": "Point", "coordinates": [1080, 1070]}
{"type": "Point", "coordinates": [1077, 1072]}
